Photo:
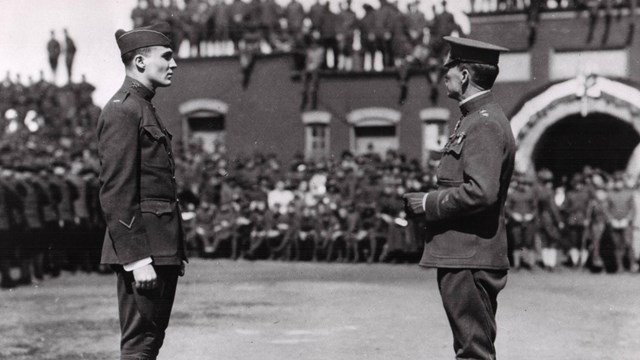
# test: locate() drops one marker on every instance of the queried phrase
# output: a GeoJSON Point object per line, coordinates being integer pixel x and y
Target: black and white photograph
{"type": "Point", "coordinates": [319, 179]}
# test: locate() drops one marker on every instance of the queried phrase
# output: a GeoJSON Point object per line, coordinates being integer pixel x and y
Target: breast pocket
{"type": "Point", "coordinates": [451, 170]}
{"type": "Point", "coordinates": [154, 147]}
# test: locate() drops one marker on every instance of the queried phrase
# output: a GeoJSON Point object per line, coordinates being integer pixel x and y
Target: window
{"type": "Point", "coordinates": [434, 132]}
{"type": "Point", "coordinates": [317, 131]}
{"type": "Point", "coordinates": [205, 122]}
{"type": "Point", "coordinates": [374, 130]}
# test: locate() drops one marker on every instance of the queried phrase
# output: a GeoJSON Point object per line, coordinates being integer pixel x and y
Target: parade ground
{"type": "Point", "coordinates": [280, 311]}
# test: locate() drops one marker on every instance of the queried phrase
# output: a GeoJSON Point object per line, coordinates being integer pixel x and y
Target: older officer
{"type": "Point", "coordinates": [465, 236]}
{"type": "Point", "coordinates": [144, 238]}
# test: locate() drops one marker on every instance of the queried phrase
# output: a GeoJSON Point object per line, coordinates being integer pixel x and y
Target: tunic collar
{"type": "Point", "coordinates": [137, 88]}
{"type": "Point", "coordinates": [476, 102]}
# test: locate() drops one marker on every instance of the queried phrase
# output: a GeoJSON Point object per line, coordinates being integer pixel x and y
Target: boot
{"type": "Point", "coordinates": [574, 256]}
{"type": "Point", "coordinates": [584, 256]}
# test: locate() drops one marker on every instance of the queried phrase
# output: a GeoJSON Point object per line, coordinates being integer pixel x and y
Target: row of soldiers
{"type": "Point", "coordinates": [210, 26]}
{"type": "Point", "coordinates": [594, 220]}
{"type": "Point", "coordinates": [50, 220]}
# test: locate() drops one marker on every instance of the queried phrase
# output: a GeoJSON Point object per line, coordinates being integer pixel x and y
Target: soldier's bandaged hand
{"type": "Point", "coordinates": [413, 202]}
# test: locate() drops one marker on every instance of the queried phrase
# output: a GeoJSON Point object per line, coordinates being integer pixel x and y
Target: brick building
{"type": "Point", "coordinates": [573, 99]}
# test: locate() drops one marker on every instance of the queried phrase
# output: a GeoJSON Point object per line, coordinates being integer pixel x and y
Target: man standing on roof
{"type": "Point", "coordinates": [144, 239]}
{"type": "Point", "coordinates": [466, 236]}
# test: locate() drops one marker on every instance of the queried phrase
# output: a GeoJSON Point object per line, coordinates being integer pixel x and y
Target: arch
{"type": "Point", "coordinates": [203, 104]}
{"type": "Point", "coordinates": [435, 114]}
{"type": "Point", "coordinates": [316, 117]}
{"type": "Point", "coordinates": [581, 95]}
{"type": "Point", "coordinates": [374, 116]}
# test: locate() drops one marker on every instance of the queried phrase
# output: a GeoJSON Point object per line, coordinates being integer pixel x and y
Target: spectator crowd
{"type": "Point", "coordinates": [348, 209]}
{"type": "Point", "coordinates": [387, 37]}
{"type": "Point", "coordinates": [255, 207]}
{"type": "Point", "coordinates": [383, 37]}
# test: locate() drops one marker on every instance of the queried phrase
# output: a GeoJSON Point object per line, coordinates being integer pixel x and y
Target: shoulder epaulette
{"type": "Point", "coordinates": [120, 96]}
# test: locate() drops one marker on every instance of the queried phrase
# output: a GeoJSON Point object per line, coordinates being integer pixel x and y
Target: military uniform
{"type": "Point", "coordinates": [466, 237]}
{"type": "Point", "coordinates": [575, 208]}
{"type": "Point", "coordinates": [549, 220]}
{"type": "Point", "coordinates": [139, 192]}
{"type": "Point", "coordinates": [521, 209]}
{"type": "Point", "coordinates": [7, 241]}
{"type": "Point", "coordinates": [138, 195]}
{"type": "Point", "coordinates": [620, 212]}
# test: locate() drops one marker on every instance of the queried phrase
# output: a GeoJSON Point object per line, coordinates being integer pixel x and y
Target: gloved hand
{"type": "Point", "coordinates": [413, 202]}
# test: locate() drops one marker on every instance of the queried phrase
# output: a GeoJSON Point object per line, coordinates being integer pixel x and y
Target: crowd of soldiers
{"type": "Point", "coordinates": [255, 207]}
{"type": "Point", "coordinates": [351, 210]}
{"type": "Point", "coordinates": [49, 209]}
{"type": "Point", "coordinates": [344, 210]}
{"type": "Point", "coordinates": [216, 27]}
{"type": "Point", "coordinates": [598, 11]}
{"type": "Point", "coordinates": [590, 220]}
{"type": "Point", "coordinates": [498, 6]}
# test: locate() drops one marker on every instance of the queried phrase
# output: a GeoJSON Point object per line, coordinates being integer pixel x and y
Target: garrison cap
{"type": "Point", "coordinates": [472, 51]}
{"type": "Point", "coordinates": [152, 35]}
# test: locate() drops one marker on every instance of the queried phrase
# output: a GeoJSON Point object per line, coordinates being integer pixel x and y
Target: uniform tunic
{"type": "Point", "coordinates": [138, 189]}
{"type": "Point", "coordinates": [465, 215]}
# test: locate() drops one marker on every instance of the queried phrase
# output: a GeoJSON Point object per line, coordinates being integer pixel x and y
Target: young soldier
{"type": "Point", "coordinates": [466, 238]}
{"type": "Point", "coordinates": [144, 238]}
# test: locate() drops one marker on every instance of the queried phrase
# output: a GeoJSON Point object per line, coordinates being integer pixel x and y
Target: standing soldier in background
{"type": "Point", "coordinates": [294, 14]}
{"type": "Point", "coordinates": [620, 214]}
{"type": "Point", "coordinates": [81, 237]}
{"type": "Point", "coordinates": [314, 58]}
{"type": "Point", "coordinates": [7, 238]}
{"type": "Point", "coordinates": [270, 13]}
{"type": "Point", "coordinates": [221, 22]}
{"type": "Point", "coordinates": [466, 238]}
{"type": "Point", "coordinates": [521, 209]}
{"type": "Point", "coordinates": [597, 217]}
{"type": "Point", "coordinates": [69, 54]}
{"type": "Point", "coordinates": [368, 40]}
{"type": "Point", "coordinates": [144, 238]}
{"type": "Point", "coordinates": [237, 11]}
{"type": "Point", "coordinates": [30, 245]}
{"type": "Point", "coordinates": [550, 220]}
{"type": "Point", "coordinates": [385, 23]}
{"type": "Point", "coordinates": [575, 207]}
{"type": "Point", "coordinates": [63, 195]}
{"type": "Point", "coordinates": [417, 23]}
{"type": "Point", "coordinates": [327, 28]}
{"type": "Point", "coordinates": [53, 49]}
{"type": "Point", "coordinates": [50, 223]}
{"type": "Point", "coordinates": [345, 28]}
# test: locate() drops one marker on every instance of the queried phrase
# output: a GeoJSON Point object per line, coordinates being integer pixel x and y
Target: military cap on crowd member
{"type": "Point", "coordinates": [619, 175]}
{"type": "Point", "coordinates": [545, 175]}
{"type": "Point", "coordinates": [472, 51]}
{"type": "Point", "coordinates": [152, 35]}
{"type": "Point", "coordinates": [577, 179]}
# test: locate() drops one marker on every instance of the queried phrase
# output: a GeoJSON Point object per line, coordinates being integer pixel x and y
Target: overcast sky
{"type": "Point", "coordinates": [26, 25]}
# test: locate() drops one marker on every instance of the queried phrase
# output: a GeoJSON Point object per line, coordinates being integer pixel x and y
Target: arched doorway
{"type": "Point", "coordinates": [597, 140]}
{"type": "Point", "coordinates": [589, 120]}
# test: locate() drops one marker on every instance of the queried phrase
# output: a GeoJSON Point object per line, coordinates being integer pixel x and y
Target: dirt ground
{"type": "Point", "coordinates": [275, 310]}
